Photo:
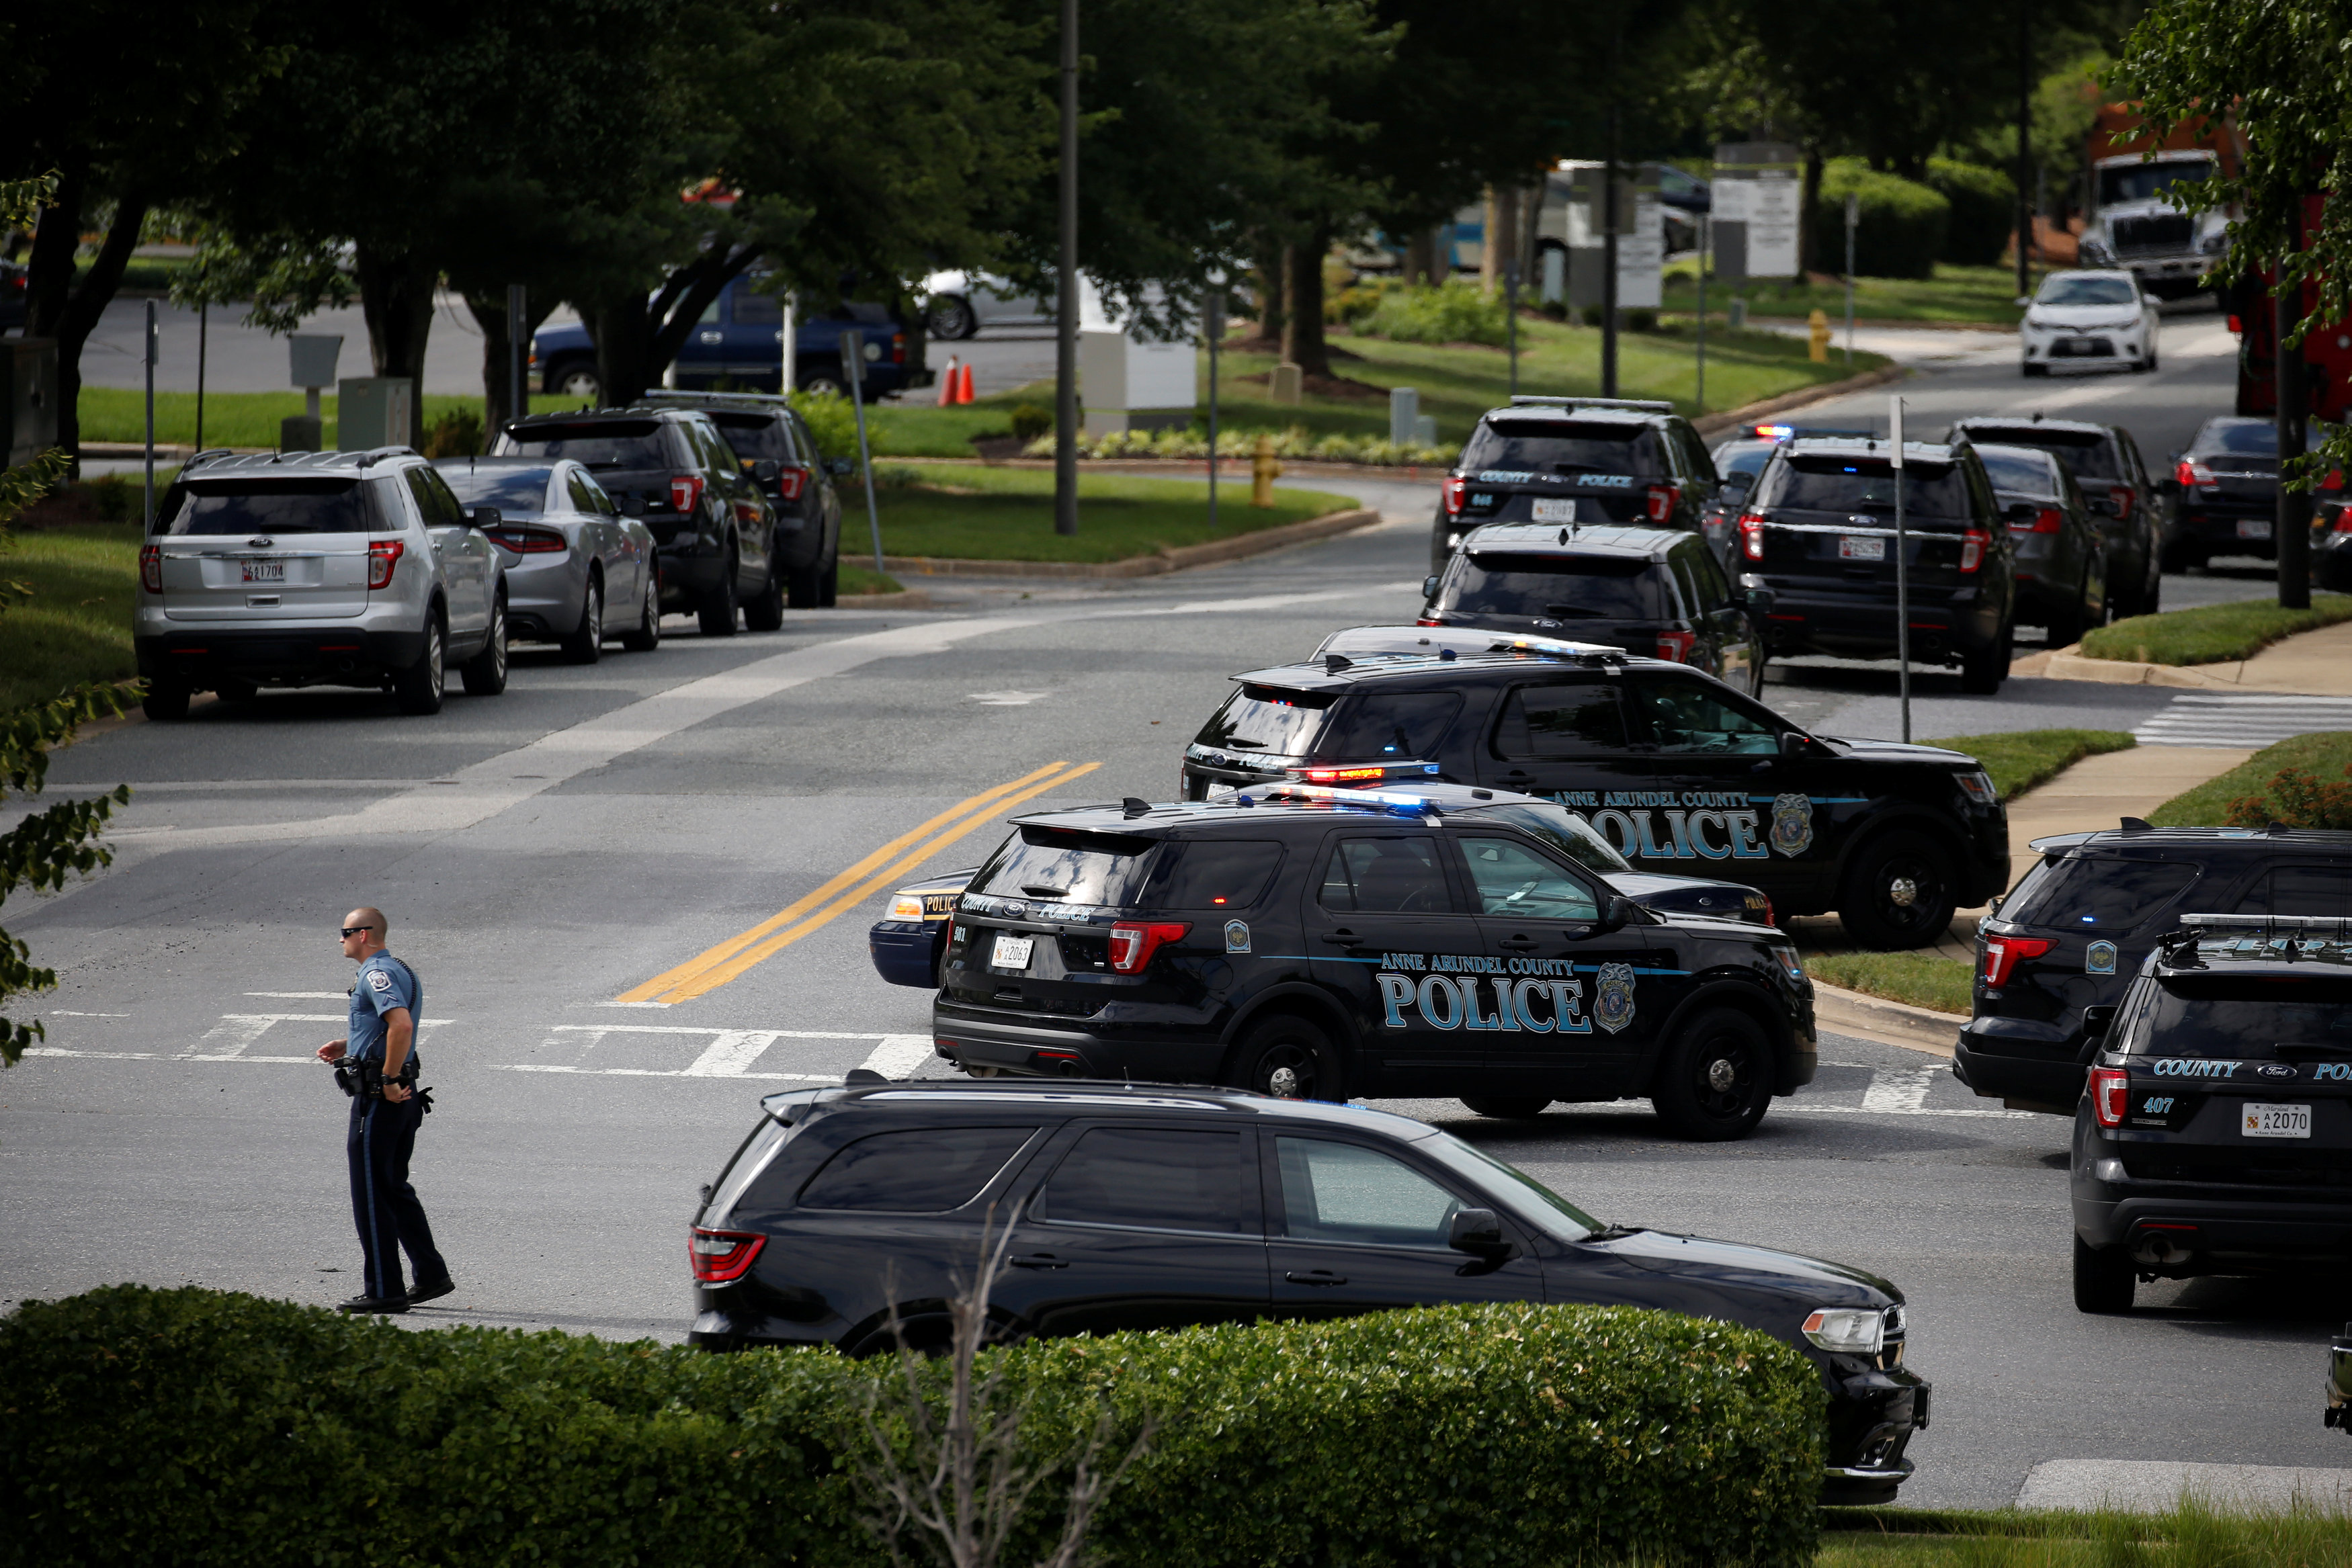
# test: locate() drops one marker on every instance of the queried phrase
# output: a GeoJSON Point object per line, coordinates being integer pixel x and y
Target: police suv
{"type": "Point", "coordinates": [1680, 772]}
{"type": "Point", "coordinates": [1564, 460]}
{"type": "Point", "coordinates": [2216, 1136]}
{"type": "Point", "coordinates": [1328, 944]}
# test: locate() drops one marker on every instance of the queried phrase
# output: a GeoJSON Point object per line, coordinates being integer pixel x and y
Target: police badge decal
{"type": "Point", "coordinates": [1612, 999]}
{"type": "Point", "coordinates": [1792, 824]}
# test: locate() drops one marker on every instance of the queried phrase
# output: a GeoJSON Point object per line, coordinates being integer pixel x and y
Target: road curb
{"type": "Point", "coordinates": [1238, 547]}
{"type": "Point", "coordinates": [906, 599]}
{"type": "Point", "coordinates": [1842, 1011]}
{"type": "Point", "coordinates": [2068, 664]}
{"type": "Point", "coordinates": [1714, 425]}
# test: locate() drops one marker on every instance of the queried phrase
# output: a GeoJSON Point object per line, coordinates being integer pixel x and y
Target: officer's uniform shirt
{"type": "Point", "coordinates": [384, 983]}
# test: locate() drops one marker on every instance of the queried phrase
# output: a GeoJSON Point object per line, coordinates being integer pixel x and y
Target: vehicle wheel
{"type": "Point", "coordinates": [166, 701]}
{"type": "Point", "coordinates": [807, 592]}
{"type": "Point", "coordinates": [1289, 1059]}
{"type": "Point", "coordinates": [584, 643]}
{"type": "Point", "coordinates": [764, 612]}
{"type": "Point", "coordinates": [646, 636]}
{"type": "Point", "coordinates": [2066, 626]}
{"type": "Point", "coordinates": [2032, 371]}
{"type": "Point", "coordinates": [484, 673]}
{"type": "Point", "coordinates": [233, 691]}
{"type": "Point", "coordinates": [717, 616]}
{"type": "Point", "coordinates": [1897, 892]}
{"type": "Point", "coordinates": [951, 318]}
{"type": "Point", "coordinates": [580, 381]}
{"type": "Point", "coordinates": [418, 687]}
{"type": "Point", "coordinates": [828, 594]}
{"type": "Point", "coordinates": [1508, 1108]}
{"type": "Point", "coordinates": [2103, 1278]}
{"type": "Point", "coordinates": [1984, 670]}
{"type": "Point", "coordinates": [2151, 598]}
{"type": "Point", "coordinates": [1716, 1079]}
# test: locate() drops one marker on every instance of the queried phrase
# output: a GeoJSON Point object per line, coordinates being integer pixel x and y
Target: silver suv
{"type": "Point", "coordinates": [348, 569]}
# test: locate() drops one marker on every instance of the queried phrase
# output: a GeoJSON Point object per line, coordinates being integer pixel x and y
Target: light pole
{"type": "Point", "coordinates": [1902, 572]}
{"type": "Point", "coordinates": [1066, 312]}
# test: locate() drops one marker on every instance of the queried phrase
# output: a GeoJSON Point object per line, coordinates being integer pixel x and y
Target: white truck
{"type": "Point", "coordinates": [2133, 224]}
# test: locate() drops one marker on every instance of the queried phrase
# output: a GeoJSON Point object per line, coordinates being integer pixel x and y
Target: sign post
{"type": "Point", "coordinates": [1212, 327]}
{"type": "Point", "coordinates": [1853, 217]}
{"type": "Point", "coordinates": [153, 344]}
{"type": "Point", "coordinates": [518, 350]}
{"type": "Point", "coordinates": [1902, 572]}
{"type": "Point", "coordinates": [853, 371]}
{"type": "Point", "coordinates": [1698, 396]}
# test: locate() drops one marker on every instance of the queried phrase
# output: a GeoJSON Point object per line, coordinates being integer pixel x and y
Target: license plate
{"type": "Point", "coordinates": [265, 571]}
{"type": "Point", "coordinates": [2253, 529]}
{"type": "Point", "coordinates": [1850, 548]}
{"type": "Point", "coordinates": [1555, 511]}
{"type": "Point", "coordinates": [2261, 1121]}
{"type": "Point", "coordinates": [1012, 952]}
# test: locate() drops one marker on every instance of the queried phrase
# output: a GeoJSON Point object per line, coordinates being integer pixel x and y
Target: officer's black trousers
{"type": "Point", "coordinates": [383, 1205]}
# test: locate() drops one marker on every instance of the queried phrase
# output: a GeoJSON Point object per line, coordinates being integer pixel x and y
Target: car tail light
{"type": "Point", "coordinates": [685, 491]}
{"type": "Point", "coordinates": [1751, 535]}
{"type": "Point", "coordinates": [2335, 480]}
{"type": "Point", "coordinates": [898, 348]}
{"type": "Point", "coordinates": [2236, 325]}
{"type": "Point", "coordinates": [2110, 1094]}
{"type": "Point", "coordinates": [2124, 499]}
{"type": "Point", "coordinates": [1426, 620]}
{"type": "Point", "coordinates": [2344, 521]}
{"type": "Point", "coordinates": [1133, 943]}
{"type": "Point", "coordinates": [790, 480]}
{"type": "Point", "coordinates": [1972, 549]}
{"type": "Point", "coordinates": [2048, 520]}
{"type": "Point", "coordinates": [1453, 489]}
{"type": "Point", "coordinates": [1675, 647]}
{"type": "Point", "coordinates": [1663, 499]}
{"type": "Point", "coordinates": [151, 567]}
{"type": "Point", "coordinates": [747, 511]}
{"type": "Point", "coordinates": [2194, 475]}
{"type": "Point", "coordinates": [383, 556]}
{"type": "Point", "coordinates": [529, 541]}
{"type": "Point", "coordinates": [2001, 954]}
{"type": "Point", "coordinates": [720, 1256]}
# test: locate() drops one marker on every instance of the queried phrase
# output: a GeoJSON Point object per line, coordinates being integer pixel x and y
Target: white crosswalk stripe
{"type": "Point", "coordinates": [2241, 719]}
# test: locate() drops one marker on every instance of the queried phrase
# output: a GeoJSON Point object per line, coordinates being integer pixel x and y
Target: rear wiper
{"type": "Point", "coordinates": [1039, 890]}
{"type": "Point", "coordinates": [1571, 612]}
{"type": "Point", "coordinates": [1245, 744]}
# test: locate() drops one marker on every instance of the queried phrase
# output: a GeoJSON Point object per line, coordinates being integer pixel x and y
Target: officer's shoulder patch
{"type": "Point", "coordinates": [381, 979]}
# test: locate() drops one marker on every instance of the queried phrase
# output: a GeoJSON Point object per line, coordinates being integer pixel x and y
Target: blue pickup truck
{"type": "Point", "coordinates": [740, 341]}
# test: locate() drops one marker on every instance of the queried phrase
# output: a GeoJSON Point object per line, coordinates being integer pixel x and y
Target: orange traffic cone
{"type": "Point", "coordinates": [948, 382]}
{"type": "Point", "coordinates": [963, 387]}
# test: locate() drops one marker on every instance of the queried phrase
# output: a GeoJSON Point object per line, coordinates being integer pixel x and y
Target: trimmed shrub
{"type": "Point", "coordinates": [1455, 312]}
{"type": "Point", "coordinates": [1902, 227]}
{"type": "Point", "coordinates": [1984, 211]}
{"type": "Point", "coordinates": [2298, 798]}
{"type": "Point", "coordinates": [833, 423]}
{"type": "Point", "coordinates": [457, 434]}
{"type": "Point", "coordinates": [191, 1427]}
{"type": "Point", "coordinates": [1030, 421]}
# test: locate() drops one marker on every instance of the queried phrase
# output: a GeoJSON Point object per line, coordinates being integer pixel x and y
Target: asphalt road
{"type": "Point", "coordinates": [544, 852]}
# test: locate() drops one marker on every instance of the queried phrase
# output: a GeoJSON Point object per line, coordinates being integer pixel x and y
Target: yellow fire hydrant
{"type": "Point", "coordinates": [1818, 325]}
{"type": "Point", "coordinates": [1265, 469]}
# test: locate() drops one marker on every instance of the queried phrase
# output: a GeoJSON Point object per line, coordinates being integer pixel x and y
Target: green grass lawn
{"type": "Point", "coordinates": [1916, 980]}
{"type": "Point", "coordinates": [1975, 295]}
{"type": "Point", "coordinates": [2189, 1536]}
{"type": "Point", "coordinates": [237, 419]}
{"type": "Point", "coordinates": [77, 625]}
{"type": "Point", "coordinates": [2019, 759]}
{"type": "Point", "coordinates": [1007, 514]}
{"type": "Point", "coordinates": [2325, 754]}
{"type": "Point", "coordinates": [2211, 633]}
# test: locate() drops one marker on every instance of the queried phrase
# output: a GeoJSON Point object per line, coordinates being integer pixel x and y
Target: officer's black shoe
{"type": "Point", "coordinates": [433, 1291]}
{"type": "Point", "coordinates": [373, 1304]}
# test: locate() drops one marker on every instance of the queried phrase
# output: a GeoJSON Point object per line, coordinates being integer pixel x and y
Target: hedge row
{"type": "Point", "coordinates": [1901, 224]}
{"type": "Point", "coordinates": [140, 1426]}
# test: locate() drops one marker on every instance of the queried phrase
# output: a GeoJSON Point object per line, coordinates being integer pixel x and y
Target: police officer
{"type": "Point", "coordinates": [387, 1003]}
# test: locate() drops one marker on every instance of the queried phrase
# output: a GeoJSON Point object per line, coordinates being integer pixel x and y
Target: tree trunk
{"type": "Point", "coordinates": [1421, 257]}
{"type": "Point", "coordinates": [1273, 282]}
{"type": "Point", "coordinates": [490, 313]}
{"type": "Point", "coordinates": [397, 302]}
{"type": "Point", "coordinates": [1807, 207]}
{"type": "Point", "coordinates": [1492, 252]}
{"type": "Point", "coordinates": [1504, 237]}
{"type": "Point", "coordinates": [1303, 342]}
{"type": "Point", "coordinates": [622, 332]}
{"type": "Point", "coordinates": [56, 308]}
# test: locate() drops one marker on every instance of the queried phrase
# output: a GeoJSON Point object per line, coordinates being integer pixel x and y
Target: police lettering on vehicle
{"type": "Point", "coordinates": [1427, 984]}
{"type": "Point", "coordinates": [2190, 1067]}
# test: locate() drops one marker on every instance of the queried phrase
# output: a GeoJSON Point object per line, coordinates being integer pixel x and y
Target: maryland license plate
{"type": "Point", "coordinates": [265, 571]}
{"type": "Point", "coordinates": [2259, 1121]}
{"type": "Point", "coordinates": [1862, 547]}
{"type": "Point", "coordinates": [1555, 511]}
{"type": "Point", "coordinates": [1012, 952]}
{"type": "Point", "coordinates": [2253, 528]}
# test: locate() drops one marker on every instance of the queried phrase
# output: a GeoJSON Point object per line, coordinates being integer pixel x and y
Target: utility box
{"type": "Point", "coordinates": [29, 402]}
{"type": "Point", "coordinates": [373, 410]}
{"type": "Point", "coordinates": [1131, 384]}
{"type": "Point", "coordinates": [1404, 414]}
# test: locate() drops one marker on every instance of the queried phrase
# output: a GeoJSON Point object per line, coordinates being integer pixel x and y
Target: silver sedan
{"type": "Point", "coordinates": [578, 570]}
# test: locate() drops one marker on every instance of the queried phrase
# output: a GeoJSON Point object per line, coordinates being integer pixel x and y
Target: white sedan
{"type": "Point", "coordinates": [959, 304]}
{"type": "Point", "coordinates": [2089, 318]}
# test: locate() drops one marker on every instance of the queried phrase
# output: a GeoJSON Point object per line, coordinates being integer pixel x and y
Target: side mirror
{"type": "Point", "coordinates": [1993, 905]}
{"type": "Point", "coordinates": [1739, 479]}
{"type": "Point", "coordinates": [2021, 511]}
{"type": "Point", "coordinates": [1796, 743]}
{"type": "Point", "coordinates": [763, 472]}
{"type": "Point", "coordinates": [2147, 298]}
{"type": "Point", "coordinates": [1616, 914]}
{"type": "Point", "coordinates": [839, 466]}
{"type": "Point", "coordinates": [484, 517]}
{"type": "Point", "coordinates": [2097, 1019]}
{"type": "Point", "coordinates": [1475, 1231]}
{"type": "Point", "coordinates": [1757, 601]}
{"type": "Point", "coordinates": [1429, 588]}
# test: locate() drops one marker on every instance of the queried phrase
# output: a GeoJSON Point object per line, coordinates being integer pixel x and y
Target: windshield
{"type": "Point", "coordinates": [2240, 437]}
{"type": "Point", "coordinates": [1742, 458]}
{"type": "Point", "coordinates": [1267, 719]}
{"type": "Point", "coordinates": [609, 443]}
{"type": "Point", "coordinates": [510, 490]}
{"type": "Point", "coordinates": [323, 504]}
{"type": "Point", "coordinates": [1554, 446]}
{"type": "Point", "coordinates": [1528, 1198]}
{"type": "Point", "coordinates": [1554, 586]}
{"type": "Point", "coordinates": [2139, 181]}
{"type": "Point", "coordinates": [2084, 893]}
{"type": "Point", "coordinates": [2236, 1016]}
{"type": "Point", "coordinates": [1827, 484]}
{"type": "Point", "coordinates": [1057, 864]}
{"type": "Point", "coordinates": [1560, 828]}
{"type": "Point", "coordinates": [2087, 291]}
{"type": "Point", "coordinates": [2033, 473]}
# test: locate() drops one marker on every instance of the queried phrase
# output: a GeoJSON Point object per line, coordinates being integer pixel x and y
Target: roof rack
{"type": "Point", "coordinates": [1394, 803]}
{"type": "Point", "coordinates": [674, 394]}
{"type": "Point", "coordinates": [1639, 405]}
{"type": "Point", "coordinates": [2324, 927]}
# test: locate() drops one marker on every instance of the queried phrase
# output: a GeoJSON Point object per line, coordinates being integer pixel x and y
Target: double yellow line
{"type": "Point", "coordinates": [708, 970]}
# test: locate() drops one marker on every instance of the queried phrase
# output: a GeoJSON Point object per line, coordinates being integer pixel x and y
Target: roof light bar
{"type": "Point", "coordinates": [1392, 802]}
{"type": "Point", "coordinates": [1640, 405]}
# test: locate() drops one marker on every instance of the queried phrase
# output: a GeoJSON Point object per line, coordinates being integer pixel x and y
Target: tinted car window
{"type": "Point", "coordinates": [1555, 587]}
{"type": "Point", "coordinates": [1076, 868]}
{"type": "Point", "coordinates": [757, 436]}
{"type": "Point", "coordinates": [916, 1170]}
{"type": "Point", "coordinates": [1385, 876]}
{"type": "Point", "coordinates": [1715, 589]}
{"type": "Point", "coordinates": [1743, 456]}
{"type": "Point", "coordinates": [1214, 874]}
{"type": "Point", "coordinates": [2083, 451]}
{"type": "Point", "coordinates": [1264, 719]}
{"type": "Point", "coordinates": [1829, 483]}
{"type": "Point", "coordinates": [2098, 893]}
{"type": "Point", "coordinates": [1400, 724]}
{"type": "Point", "coordinates": [2236, 1016]}
{"type": "Point", "coordinates": [755, 309]}
{"type": "Point", "coordinates": [1345, 1192]}
{"type": "Point", "coordinates": [2032, 474]}
{"type": "Point", "coordinates": [1686, 718]}
{"type": "Point", "coordinates": [1560, 828]}
{"type": "Point", "coordinates": [1555, 446]}
{"type": "Point", "coordinates": [2301, 890]}
{"type": "Point", "coordinates": [434, 501]}
{"type": "Point", "coordinates": [2244, 437]}
{"type": "Point", "coordinates": [306, 506]}
{"type": "Point", "coordinates": [609, 443]}
{"type": "Point", "coordinates": [1163, 1179]}
{"type": "Point", "coordinates": [510, 490]}
{"type": "Point", "coordinates": [1560, 721]}
{"type": "Point", "coordinates": [584, 495]}
{"type": "Point", "coordinates": [1511, 879]}
{"type": "Point", "coordinates": [2139, 181]}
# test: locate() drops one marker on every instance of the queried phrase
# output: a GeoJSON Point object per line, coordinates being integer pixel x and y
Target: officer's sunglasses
{"type": "Point", "coordinates": [350, 931]}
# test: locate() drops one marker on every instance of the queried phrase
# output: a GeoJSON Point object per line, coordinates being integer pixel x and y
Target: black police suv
{"type": "Point", "coordinates": [2224, 494]}
{"type": "Point", "coordinates": [2062, 564]}
{"type": "Point", "coordinates": [908, 943]}
{"type": "Point", "coordinates": [1679, 771]}
{"type": "Point", "coordinates": [781, 455]}
{"type": "Point", "coordinates": [2116, 487]}
{"type": "Point", "coordinates": [2215, 1134]}
{"type": "Point", "coordinates": [1564, 460]}
{"type": "Point", "coordinates": [1818, 531]}
{"type": "Point", "coordinates": [1146, 1206]}
{"type": "Point", "coordinates": [716, 532]}
{"type": "Point", "coordinates": [2077, 927]}
{"type": "Point", "coordinates": [1334, 943]}
{"type": "Point", "coordinates": [1645, 590]}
